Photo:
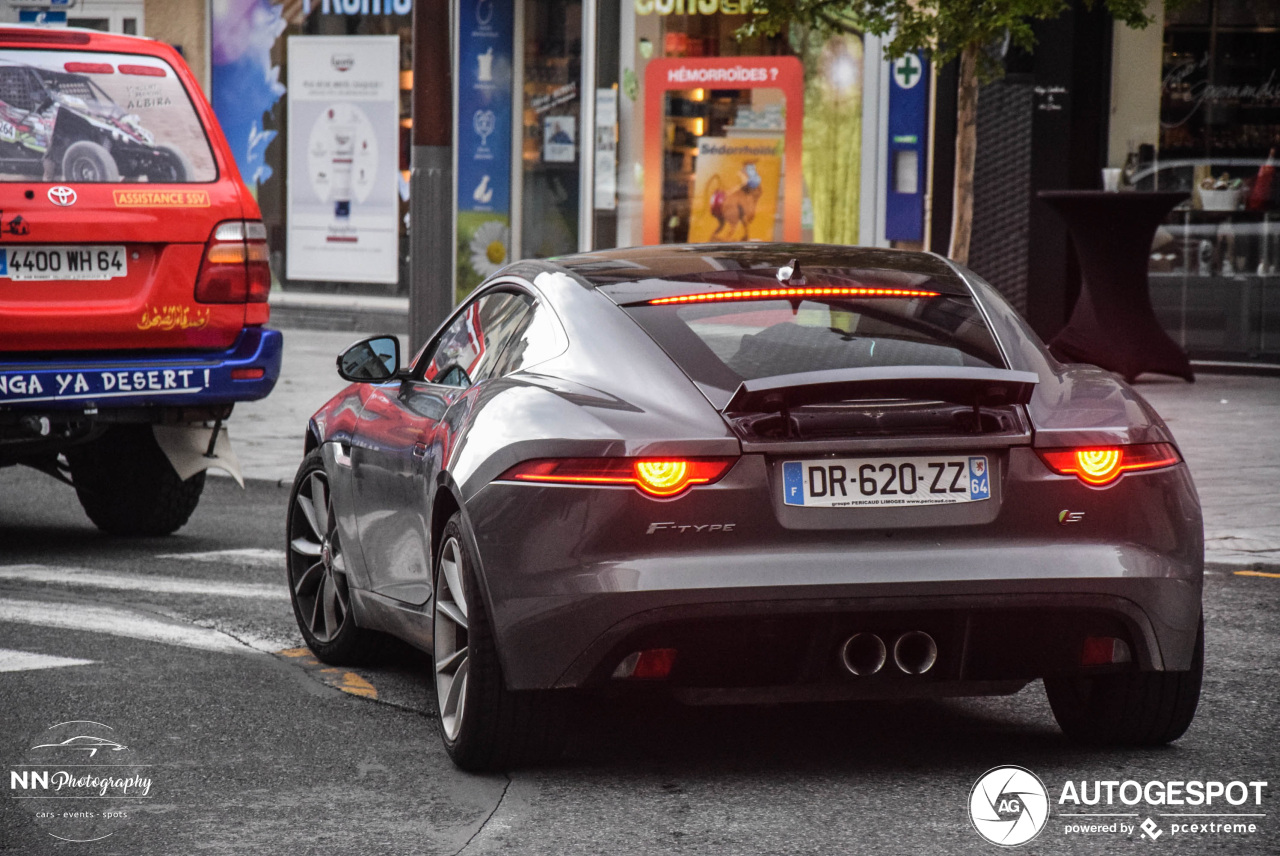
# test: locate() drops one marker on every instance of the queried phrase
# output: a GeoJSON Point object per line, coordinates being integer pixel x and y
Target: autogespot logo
{"type": "Point", "coordinates": [1009, 806]}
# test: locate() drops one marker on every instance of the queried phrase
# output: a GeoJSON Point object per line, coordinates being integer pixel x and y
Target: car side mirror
{"type": "Point", "coordinates": [371, 360]}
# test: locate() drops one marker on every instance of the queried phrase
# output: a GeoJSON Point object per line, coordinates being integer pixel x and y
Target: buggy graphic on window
{"type": "Point", "coordinates": [61, 119]}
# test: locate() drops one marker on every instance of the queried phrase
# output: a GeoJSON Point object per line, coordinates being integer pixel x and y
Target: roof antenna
{"type": "Point", "coordinates": [790, 271]}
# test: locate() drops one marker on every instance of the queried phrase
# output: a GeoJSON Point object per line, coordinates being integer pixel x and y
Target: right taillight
{"type": "Point", "coordinates": [236, 267]}
{"type": "Point", "coordinates": [1101, 465]}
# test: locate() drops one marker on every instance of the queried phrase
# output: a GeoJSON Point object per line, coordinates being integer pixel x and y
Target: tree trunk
{"type": "Point", "coordinates": [966, 149]}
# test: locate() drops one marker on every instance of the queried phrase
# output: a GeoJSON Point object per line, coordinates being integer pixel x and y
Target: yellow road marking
{"type": "Point", "coordinates": [356, 685]}
{"type": "Point", "coordinates": [1257, 574]}
{"type": "Point", "coordinates": [347, 682]}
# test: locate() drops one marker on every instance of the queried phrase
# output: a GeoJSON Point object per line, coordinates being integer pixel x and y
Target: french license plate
{"type": "Point", "coordinates": [65, 262]}
{"type": "Point", "coordinates": [879, 482]}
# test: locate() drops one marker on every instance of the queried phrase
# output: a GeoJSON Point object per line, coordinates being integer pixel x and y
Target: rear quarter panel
{"type": "Point", "coordinates": [612, 392]}
{"type": "Point", "coordinates": [1074, 404]}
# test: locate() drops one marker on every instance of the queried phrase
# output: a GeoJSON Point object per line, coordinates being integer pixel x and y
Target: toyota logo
{"type": "Point", "coordinates": [62, 195]}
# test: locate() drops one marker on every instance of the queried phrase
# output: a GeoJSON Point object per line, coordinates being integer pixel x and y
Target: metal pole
{"type": "Point", "coordinates": [587, 131]}
{"type": "Point", "coordinates": [431, 288]}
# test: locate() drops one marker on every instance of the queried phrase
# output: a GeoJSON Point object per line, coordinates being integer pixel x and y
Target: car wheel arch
{"type": "Point", "coordinates": [311, 439]}
{"type": "Point", "coordinates": [445, 504]}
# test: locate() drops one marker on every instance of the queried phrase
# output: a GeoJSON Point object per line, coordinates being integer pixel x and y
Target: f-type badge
{"type": "Point", "coordinates": [1066, 517]}
{"type": "Point", "coordinates": [672, 526]}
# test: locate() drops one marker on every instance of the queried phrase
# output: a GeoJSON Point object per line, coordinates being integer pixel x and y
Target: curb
{"type": "Point", "coordinates": [339, 312]}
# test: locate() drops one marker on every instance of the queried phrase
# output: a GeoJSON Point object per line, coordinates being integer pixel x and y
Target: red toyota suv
{"type": "Point", "coordinates": [133, 276]}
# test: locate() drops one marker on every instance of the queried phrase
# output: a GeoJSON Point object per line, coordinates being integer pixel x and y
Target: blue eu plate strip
{"type": "Point", "coordinates": [793, 483]}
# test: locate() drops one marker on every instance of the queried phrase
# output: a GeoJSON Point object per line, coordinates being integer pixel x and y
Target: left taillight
{"type": "Point", "coordinates": [660, 477]}
{"type": "Point", "coordinates": [1102, 465]}
{"type": "Point", "coordinates": [236, 266]}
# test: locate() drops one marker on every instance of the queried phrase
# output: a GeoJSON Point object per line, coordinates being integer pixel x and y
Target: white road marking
{"type": "Point", "coordinates": [60, 575]}
{"type": "Point", "coordinates": [244, 556]}
{"type": "Point", "coordinates": [25, 661]}
{"type": "Point", "coordinates": [116, 622]}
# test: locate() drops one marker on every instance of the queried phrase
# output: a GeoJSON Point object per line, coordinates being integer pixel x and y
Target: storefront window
{"type": "Point", "coordinates": [552, 111]}
{"type": "Point", "coordinates": [360, 178]}
{"type": "Point", "coordinates": [1215, 265]}
{"type": "Point", "coordinates": [721, 139]}
{"type": "Point", "coordinates": [722, 165]}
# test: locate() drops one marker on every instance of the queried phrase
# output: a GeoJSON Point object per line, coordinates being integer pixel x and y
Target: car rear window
{"type": "Point", "coordinates": [721, 342]}
{"type": "Point", "coordinates": [98, 117]}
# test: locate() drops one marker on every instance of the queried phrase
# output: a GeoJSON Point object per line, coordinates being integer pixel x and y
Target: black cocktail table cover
{"type": "Point", "coordinates": [1113, 324]}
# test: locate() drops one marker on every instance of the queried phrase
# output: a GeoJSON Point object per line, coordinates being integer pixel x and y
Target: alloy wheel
{"type": "Point", "coordinates": [317, 570]}
{"type": "Point", "coordinates": [450, 636]}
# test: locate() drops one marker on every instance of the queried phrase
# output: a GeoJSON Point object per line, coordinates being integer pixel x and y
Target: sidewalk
{"type": "Point", "coordinates": [267, 435]}
{"type": "Point", "coordinates": [300, 310]}
{"type": "Point", "coordinates": [1228, 427]}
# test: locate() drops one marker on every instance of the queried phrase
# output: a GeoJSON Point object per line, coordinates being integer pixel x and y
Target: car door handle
{"type": "Point", "coordinates": [419, 450]}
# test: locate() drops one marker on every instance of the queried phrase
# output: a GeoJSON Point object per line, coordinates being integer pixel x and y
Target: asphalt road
{"type": "Point", "coordinates": [254, 751]}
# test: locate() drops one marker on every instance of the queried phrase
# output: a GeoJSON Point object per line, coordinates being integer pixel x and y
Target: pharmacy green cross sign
{"type": "Point", "coordinates": [907, 71]}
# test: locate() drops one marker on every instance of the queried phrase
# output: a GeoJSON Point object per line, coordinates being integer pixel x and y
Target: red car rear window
{"type": "Point", "coordinates": [87, 116]}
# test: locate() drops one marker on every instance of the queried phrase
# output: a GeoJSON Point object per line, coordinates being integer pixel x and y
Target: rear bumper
{"type": "Point", "coordinates": [763, 616]}
{"type": "Point", "coordinates": [169, 379]}
{"type": "Point", "coordinates": [790, 650]}
{"type": "Point", "coordinates": [986, 630]}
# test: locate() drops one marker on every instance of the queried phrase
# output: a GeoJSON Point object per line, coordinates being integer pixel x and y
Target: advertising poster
{"type": "Point", "coordinates": [558, 134]}
{"type": "Point", "coordinates": [54, 132]}
{"type": "Point", "coordinates": [343, 144]}
{"type": "Point", "coordinates": [606, 171]}
{"type": "Point", "coordinates": [245, 82]}
{"type": "Point", "coordinates": [484, 139]}
{"type": "Point", "coordinates": [735, 189]}
{"type": "Point", "coordinates": [785, 189]}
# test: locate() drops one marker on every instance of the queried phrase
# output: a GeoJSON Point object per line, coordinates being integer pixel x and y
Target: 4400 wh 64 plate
{"type": "Point", "coordinates": [64, 262]}
{"type": "Point", "coordinates": [909, 480]}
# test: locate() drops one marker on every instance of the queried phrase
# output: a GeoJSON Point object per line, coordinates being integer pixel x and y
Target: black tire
{"type": "Point", "coordinates": [1135, 709]}
{"type": "Point", "coordinates": [86, 161]}
{"type": "Point", "coordinates": [318, 585]}
{"type": "Point", "coordinates": [128, 487]}
{"type": "Point", "coordinates": [174, 167]}
{"type": "Point", "coordinates": [498, 728]}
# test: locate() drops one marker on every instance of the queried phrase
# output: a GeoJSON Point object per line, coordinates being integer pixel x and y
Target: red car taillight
{"type": "Point", "coordinates": [648, 665]}
{"type": "Point", "coordinates": [1101, 465]}
{"type": "Point", "coordinates": [236, 267]}
{"type": "Point", "coordinates": [1104, 651]}
{"type": "Point", "coordinates": [662, 477]}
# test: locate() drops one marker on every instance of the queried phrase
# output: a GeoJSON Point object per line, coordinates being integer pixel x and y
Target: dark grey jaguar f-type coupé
{"type": "Point", "coordinates": [749, 473]}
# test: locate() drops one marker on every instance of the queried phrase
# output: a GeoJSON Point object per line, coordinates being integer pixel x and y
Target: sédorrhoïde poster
{"type": "Point", "coordinates": [343, 158]}
{"type": "Point", "coordinates": [735, 189]}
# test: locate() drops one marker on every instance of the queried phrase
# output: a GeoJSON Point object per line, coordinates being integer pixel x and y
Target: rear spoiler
{"type": "Point", "coordinates": [974, 387]}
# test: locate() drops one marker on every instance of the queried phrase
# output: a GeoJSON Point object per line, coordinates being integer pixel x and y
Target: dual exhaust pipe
{"type": "Point", "coordinates": [914, 653]}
